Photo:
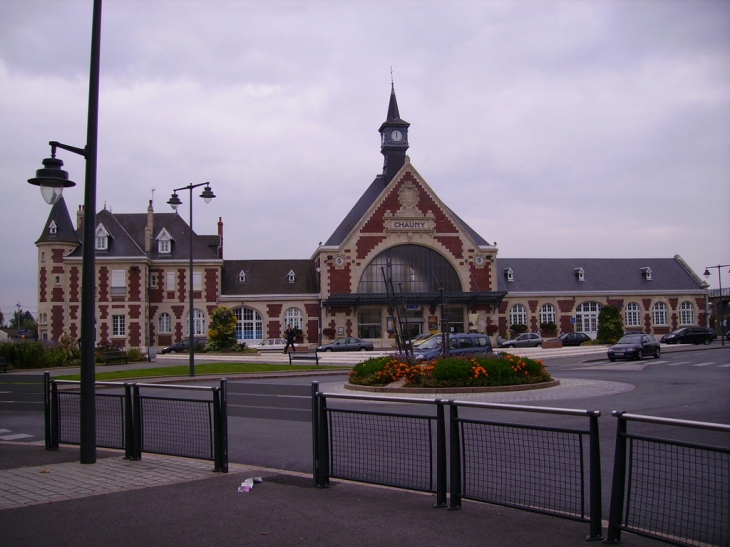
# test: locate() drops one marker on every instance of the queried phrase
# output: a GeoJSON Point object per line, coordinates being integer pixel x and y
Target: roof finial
{"type": "Point", "coordinates": [391, 78]}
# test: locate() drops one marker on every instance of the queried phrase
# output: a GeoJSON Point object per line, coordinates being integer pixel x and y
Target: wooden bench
{"type": "Point", "coordinates": [3, 364]}
{"type": "Point", "coordinates": [115, 357]}
{"type": "Point", "coordinates": [304, 356]}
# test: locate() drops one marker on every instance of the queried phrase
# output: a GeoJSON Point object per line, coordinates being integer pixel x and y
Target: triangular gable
{"type": "Point", "coordinates": [164, 235]}
{"type": "Point", "coordinates": [409, 205]}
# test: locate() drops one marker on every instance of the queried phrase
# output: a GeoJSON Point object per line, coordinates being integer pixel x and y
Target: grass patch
{"type": "Point", "coordinates": [201, 369]}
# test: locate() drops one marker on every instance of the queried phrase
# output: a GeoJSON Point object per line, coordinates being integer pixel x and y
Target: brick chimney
{"type": "Point", "coordinates": [80, 218]}
{"type": "Point", "coordinates": [149, 229]}
{"type": "Point", "coordinates": [220, 234]}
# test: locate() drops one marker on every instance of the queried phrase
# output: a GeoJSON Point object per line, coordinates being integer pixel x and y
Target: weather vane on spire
{"type": "Point", "coordinates": [391, 76]}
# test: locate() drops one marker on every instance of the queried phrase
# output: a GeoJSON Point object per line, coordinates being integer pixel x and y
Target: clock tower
{"type": "Point", "coordinates": [393, 139]}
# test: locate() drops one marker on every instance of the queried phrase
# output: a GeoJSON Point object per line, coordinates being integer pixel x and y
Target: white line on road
{"type": "Point", "coordinates": [679, 363]}
{"type": "Point", "coordinates": [704, 364]}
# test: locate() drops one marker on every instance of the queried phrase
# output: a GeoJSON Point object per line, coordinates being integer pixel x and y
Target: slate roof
{"type": "Point", "coordinates": [557, 275]}
{"type": "Point", "coordinates": [127, 233]}
{"type": "Point", "coordinates": [269, 277]}
{"type": "Point", "coordinates": [65, 231]}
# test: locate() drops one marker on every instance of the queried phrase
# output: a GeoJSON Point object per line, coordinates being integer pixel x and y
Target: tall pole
{"type": "Point", "coordinates": [88, 267]}
{"type": "Point", "coordinates": [720, 312]}
{"type": "Point", "coordinates": [191, 350]}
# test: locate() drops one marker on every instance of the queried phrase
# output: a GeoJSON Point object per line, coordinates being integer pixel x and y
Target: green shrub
{"type": "Point", "coordinates": [451, 368]}
{"type": "Point", "coordinates": [29, 354]}
{"type": "Point", "coordinates": [610, 326]}
{"type": "Point", "coordinates": [366, 373]}
{"type": "Point", "coordinates": [135, 354]}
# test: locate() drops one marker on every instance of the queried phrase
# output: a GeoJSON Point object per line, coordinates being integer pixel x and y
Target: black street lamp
{"type": "Point", "coordinates": [52, 180]}
{"type": "Point", "coordinates": [175, 202]}
{"type": "Point", "coordinates": [707, 274]}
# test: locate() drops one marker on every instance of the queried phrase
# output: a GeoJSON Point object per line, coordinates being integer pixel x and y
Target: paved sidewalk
{"type": "Point", "coordinates": [49, 499]}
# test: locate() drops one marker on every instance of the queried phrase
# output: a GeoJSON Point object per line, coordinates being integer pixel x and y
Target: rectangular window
{"type": "Point", "coordinates": [119, 325]}
{"type": "Point", "coordinates": [119, 283]}
{"type": "Point", "coordinates": [369, 324]}
{"type": "Point", "coordinates": [101, 243]}
{"type": "Point", "coordinates": [164, 246]}
{"type": "Point", "coordinates": [197, 281]}
{"type": "Point", "coordinates": [170, 285]}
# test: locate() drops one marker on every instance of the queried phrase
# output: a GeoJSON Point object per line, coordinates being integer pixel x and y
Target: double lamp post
{"type": "Point", "coordinates": [719, 312]}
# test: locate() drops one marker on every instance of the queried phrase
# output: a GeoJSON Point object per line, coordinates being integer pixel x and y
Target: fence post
{"type": "Point", "coordinates": [47, 408]}
{"type": "Point", "coordinates": [55, 418]}
{"type": "Point", "coordinates": [315, 431]}
{"type": "Point", "coordinates": [137, 421]}
{"type": "Point", "coordinates": [441, 483]}
{"type": "Point", "coordinates": [323, 448]}
{"type": "Point", "coordinates": [224, 425]}
{"type": "Point", "coordinates": [128, 423]}
{"type": "Point", "coordinates": [616, 510]}
{"type": "Point", "coordinates": [217, 431]}
{"type": "Point", "coordinates": [595, 479]}
{"type": "Point", "coordinates": [455, 456]}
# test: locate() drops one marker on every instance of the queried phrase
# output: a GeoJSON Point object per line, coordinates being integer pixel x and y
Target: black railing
{"type": "Point", "coordinates": [392, 449]}
{"type": "Point", "coordinates": [138, 422]}
{"type": "Point", "coordinates": [529, 467]}
{"type": "Point", "coordinates": [669, 489]}
{"type": "Point", "coordinates": [532, 467]}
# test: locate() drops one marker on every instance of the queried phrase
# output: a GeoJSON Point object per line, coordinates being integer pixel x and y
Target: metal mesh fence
{"type": "Point", "coordinates": [177, 427]}
{"type": "Point", "coordinates": [679, 492]}
{"type": "Point", "coordinates": [388, 449]}
{"type": "Point", "coordinates": [536, 468]}
{"type": "Point", "coordinates": [109, 419]}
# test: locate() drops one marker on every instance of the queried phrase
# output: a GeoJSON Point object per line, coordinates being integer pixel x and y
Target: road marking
{"type": "Point", "coordinates": [15, 437]}
{"type": "Point", "coordinates": [679, 363]}
{"type": "Point", "coordinates": [5, 431]}
{"type": "Point", "coordinates": [724, 366]}
{"type": "Point", "coordinates": [704, 364]}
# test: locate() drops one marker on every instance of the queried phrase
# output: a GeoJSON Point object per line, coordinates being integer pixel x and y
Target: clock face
{"type": "Point", "coordinates": [396, 135]}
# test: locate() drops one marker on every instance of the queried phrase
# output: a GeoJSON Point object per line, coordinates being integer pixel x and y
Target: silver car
{"type": "Point", "coordinates": [526, 340]}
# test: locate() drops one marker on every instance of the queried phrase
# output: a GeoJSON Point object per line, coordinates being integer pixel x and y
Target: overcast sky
{"type": "Point", "coordinates": [557, 129]}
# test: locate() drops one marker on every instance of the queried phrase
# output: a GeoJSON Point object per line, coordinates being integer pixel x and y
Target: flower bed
{"type": "Point", "coordinates": [493, 370]}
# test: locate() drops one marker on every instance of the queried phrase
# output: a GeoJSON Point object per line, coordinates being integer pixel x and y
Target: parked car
{"type": "Point", "coordinates": [270, 344]}
{"type": "Point", "coordinates": [347, 344]}
{"type": "Point", "coordinates": [688, 335]}
{"type": "Point", "coordinates": [459, 344]}
{"type": "Point", "coordinates": [420, 339]}
{"type": "Point", "coordinates": [526, 340]}
{"type": "Point", "coordinates": [184, 346]}
{"type": "Point", "coordinates": [635, 346]}
{"type": "Point", "coordinates": [573, 338]}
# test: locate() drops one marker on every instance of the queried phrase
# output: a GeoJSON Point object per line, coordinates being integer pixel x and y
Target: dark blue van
{"type": "Point", "coordinates": [459, 344]}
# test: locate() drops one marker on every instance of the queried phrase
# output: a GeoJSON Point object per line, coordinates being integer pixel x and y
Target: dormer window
{"type": "Point", "coordinates": [241, 276]}
{"type": "Point", "coordinates": [52, 228]}
{"type": "Point", "coordinates": [291, 276]}
{"type": "Point", "coordinates": [580, 274]}
{"type": "Point", "coordinates": [646, 272]}
{"type": "Point", "coordinates": [164, 242]}
{"type": "Point", "coordinates": [509, 274]}
{"type": "Point", "coordinates": [101, 238]}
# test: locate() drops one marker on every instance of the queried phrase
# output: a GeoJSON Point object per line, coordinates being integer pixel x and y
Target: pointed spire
{"type": "Point", "coordinates": [63, 228]}
{"type": "Point", "coordinates": [393, 114]}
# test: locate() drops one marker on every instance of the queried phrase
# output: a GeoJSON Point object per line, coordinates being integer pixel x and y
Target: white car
{"type": "Point", "coordinates": [270, 344]}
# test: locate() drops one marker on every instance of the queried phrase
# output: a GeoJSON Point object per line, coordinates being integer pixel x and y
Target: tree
{"type": "Point", "coordinates": [610, 326]}
{"type": "Point", "coordinates": [24, 321]}
{"type": "Point", "coordinates": [2, 319]}
{"type": "Point", "coordinates": [222, 331]}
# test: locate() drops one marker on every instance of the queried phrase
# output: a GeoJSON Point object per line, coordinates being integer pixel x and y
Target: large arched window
{"type": "Point", "coordinates": [586, 317]}
{"type": "Point", "coordinates": [198, 323]}
{"type": "Point", "coordinates": [164, 323]}
{"type": "Point", "coordinates": [250, 325]}
{"type": "Point", "coordinates": [547, 314]}
{"type": "Point", "coordinates": [686, 313]}
{"type": "Point", "coordinates": [659, 314]}
{"type": "Point", "coordinates": [632, 315]}
{"type": "Point", "coordinates": [413, 269]}
{"type": "Point", "coordinates": [293, 317]}
{"type": "Point", "coordinates": [518, 315]}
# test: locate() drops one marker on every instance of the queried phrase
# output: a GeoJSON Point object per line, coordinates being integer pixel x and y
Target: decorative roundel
{"type": "Point", "coordinates": [340, 260]}
{"type": "Point", "coordinates": [479, 260]}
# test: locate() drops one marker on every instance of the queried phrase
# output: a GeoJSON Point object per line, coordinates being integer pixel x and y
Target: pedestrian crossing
{"type": "Point", "coordinates": [640, 365]}
{"type": "Point", "coordinates": [8, 435]}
